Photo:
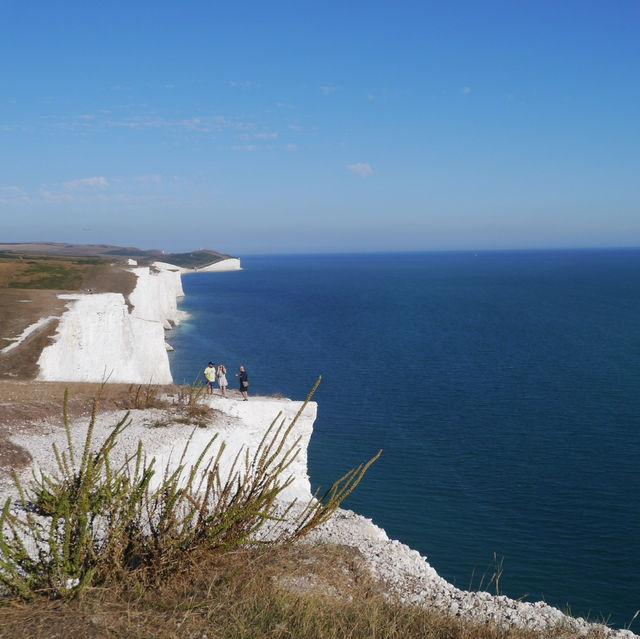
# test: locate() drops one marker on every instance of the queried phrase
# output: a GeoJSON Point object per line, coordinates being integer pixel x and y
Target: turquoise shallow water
{"type": "Point", "coordinates": [503, 388]}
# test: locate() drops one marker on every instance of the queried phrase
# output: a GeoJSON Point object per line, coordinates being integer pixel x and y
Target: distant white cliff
{"type": "Point", "coordinates": [100, 338]}
{"type": "Point", "coordinates": [229, 264]}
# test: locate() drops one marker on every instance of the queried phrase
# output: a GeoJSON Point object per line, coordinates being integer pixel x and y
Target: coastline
{"type": "Point", "coordinates": [406, 574]}
{"type": "Point", "coordinates": [91, 320]}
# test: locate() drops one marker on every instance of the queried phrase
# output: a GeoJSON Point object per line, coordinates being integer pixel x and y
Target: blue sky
{"type": "Point", "coordinates": [267, 127]}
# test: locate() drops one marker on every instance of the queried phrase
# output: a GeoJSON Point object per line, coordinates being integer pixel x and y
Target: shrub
{"type": "Point", "coordinates": [143, 396]}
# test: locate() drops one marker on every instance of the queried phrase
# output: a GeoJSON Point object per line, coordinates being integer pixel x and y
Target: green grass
{"type": "Point", "coordinates": [48, 276]}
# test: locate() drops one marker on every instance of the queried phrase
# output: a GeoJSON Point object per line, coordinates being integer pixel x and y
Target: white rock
{"type": "Point", "coordinates": [99, 339]}
{"type": "Point", "coordinates": [230, 264]}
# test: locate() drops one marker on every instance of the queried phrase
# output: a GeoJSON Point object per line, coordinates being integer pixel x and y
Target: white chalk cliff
{"type": "Point", "coordinates": [100, 338]}
{"type": "Point", "coordinates": [228, 264]}
{"type": "Point", "coordinates": [242, 426]}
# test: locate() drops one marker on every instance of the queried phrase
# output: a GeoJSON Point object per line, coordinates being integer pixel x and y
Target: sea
{"type": "Point", "coordinates": [503, 388]}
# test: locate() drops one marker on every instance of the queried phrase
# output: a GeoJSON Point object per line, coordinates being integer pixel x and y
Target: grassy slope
{"type": "Point", "coordinates": [199, 258]}
{"type": "Point", "coordinates": [291, 591]}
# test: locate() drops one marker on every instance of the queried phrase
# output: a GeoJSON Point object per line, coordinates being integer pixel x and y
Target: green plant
{"type": "Point", "coordinates": [189, 402]}
{"type": "Point", "coordinates": [488, 580]}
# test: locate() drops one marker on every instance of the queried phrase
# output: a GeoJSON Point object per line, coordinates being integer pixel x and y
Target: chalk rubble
{"type": "Point", "coordinates": [411, 579]}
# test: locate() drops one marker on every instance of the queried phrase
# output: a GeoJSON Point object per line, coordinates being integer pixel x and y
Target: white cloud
{"type": "Point", "coordinates": [241, 85]}
{"type": "Point", "coordinates": [145, 179]}
{"type": "Point", "coordinates": [149, 178]}
{"type": "Point", "coordinates": [87, 183]}
{"type": "Point", "coordinates": [266, 136]}
{"type": "Point", "coordinates": [12, 195]}
{"type": "Point", "coordinates": [466, 90]}
{"type": "Point", "coordinates": [327, 90]}
{"type": "Point", "coordinates": [205, 124]}
{"type": "Point", "coordinates": [361, 168]}
{"type": "Point", "coordinates": [12, 191]}
{"type": "Point", "coordinates": [57, 198]}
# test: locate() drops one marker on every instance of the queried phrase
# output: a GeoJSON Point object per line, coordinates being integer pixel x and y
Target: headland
{"type": "Point", "coordinates": [86, 335]}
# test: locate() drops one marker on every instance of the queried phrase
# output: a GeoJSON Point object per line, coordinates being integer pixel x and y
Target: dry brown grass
{"type": "Point", "coordinates": [16, 315]}
{"type": "Point", "coordinates": [28, 291]}
{"type": "Point", "coordinates": [64, 274]}
{"type": "Point", "coordinates": [292, 591]}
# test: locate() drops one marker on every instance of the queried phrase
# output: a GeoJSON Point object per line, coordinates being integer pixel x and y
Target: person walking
{"type": "Point", "coordinates": [221, 378]}
{"type": "Point", "coordinates": [243, 378]}
{"type": "Point", "coordinates": [210, 376]}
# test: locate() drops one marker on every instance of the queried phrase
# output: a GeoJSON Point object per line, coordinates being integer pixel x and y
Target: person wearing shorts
{"type": "Point", "coordinates": [210, 376]}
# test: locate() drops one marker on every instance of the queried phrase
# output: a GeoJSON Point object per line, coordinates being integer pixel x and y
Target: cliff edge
{"type": "Point", "coordinates": [105, 337]}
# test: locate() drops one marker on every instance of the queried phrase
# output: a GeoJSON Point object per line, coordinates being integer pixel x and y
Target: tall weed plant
{"type": "Point", "coordinates": [92, 520]}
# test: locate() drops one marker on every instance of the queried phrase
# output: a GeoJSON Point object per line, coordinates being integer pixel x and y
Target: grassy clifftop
{"type": "Point", "coordinates": [192, 259]}
{"type": "Point", "coordinates": [33, 274]}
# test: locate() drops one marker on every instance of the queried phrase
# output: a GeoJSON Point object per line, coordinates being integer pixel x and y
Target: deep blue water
{"type": "Point", "coordinates": [503, 387]}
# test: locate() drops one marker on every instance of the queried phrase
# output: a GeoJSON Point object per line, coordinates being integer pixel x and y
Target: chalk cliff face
{"type": "Point", "coordinates": [99, 338]}
{"type": "Point", "coordinates": [242, 426]}
{"type": "Point", "coordinates": [155, 297]}
{"type": "Point", "coordinates": [230, 264]}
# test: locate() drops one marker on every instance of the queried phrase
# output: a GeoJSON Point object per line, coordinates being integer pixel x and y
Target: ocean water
{"type": "Point", "coordinates": [504, 389]}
